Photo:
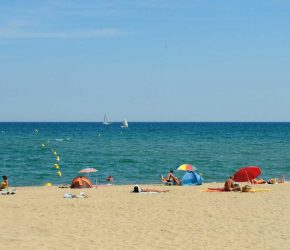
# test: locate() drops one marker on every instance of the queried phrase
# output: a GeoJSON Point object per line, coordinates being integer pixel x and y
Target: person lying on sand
{"type": "Point", "coordinates": [270, 181]}
{"type": "Point", "coordinates": [137, 189]}
{"type": "Point", "coordinates": [260, 181]}
{"type": "Point", "coordinates": [170, 176]}
{"type": "Point", "coordinates": [230, 186]}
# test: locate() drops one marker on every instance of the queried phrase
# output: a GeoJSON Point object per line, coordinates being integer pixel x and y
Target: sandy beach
{"type": "Point", "coordinates": [113, 218]}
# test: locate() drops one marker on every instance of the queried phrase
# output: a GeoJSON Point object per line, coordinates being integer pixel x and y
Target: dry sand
{"type": "Point", "coordinates": [113, 218]}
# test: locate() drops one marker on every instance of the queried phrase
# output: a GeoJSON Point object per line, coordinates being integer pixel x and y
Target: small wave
{"type": "Point", "coordinates": [60, 139]}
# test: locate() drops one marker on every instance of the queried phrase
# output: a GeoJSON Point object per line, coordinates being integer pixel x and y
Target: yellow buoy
{"type": "Point", "coordinates": [58, 173]}
{"type": "Point", "coordinates": [56, 166]}
{"type": "Point", "coordinates": [48, 184]}
{"type": "Point", "coordinates": [58, 158]}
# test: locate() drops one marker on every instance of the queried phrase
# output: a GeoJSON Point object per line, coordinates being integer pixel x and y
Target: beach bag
{"type": "Point", "coordinates": [246, 188]}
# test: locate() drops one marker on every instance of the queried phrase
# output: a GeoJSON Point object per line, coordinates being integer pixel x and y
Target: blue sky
{"type": "Point", "coordinates": [146, 60]}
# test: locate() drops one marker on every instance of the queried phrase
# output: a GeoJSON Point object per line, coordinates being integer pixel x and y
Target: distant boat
{"type": "Point", "coordinates": [125, 124]}
{"type": "Point", "coordinates": [106, 120]}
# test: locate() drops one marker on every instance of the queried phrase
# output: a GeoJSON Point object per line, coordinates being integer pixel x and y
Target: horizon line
{"type": "Point", "coordinates": [146, 122]}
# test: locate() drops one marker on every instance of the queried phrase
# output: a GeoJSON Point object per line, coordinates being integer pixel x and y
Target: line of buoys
{"type": "Point", "coordinates": [54, 152]}
{"type": "Point", "coordinates": [57, 158]}
{"type": "Point", "coordinates": [55, 165]}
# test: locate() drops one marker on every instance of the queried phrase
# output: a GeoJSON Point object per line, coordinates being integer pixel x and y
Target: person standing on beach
{"type": "Point", "coordinates": [230, 186]}
{"type": "Point", "coordinates": [4, 183]}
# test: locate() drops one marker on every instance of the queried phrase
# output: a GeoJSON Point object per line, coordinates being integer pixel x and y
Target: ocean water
{"type": "Point", "coordinates": [142, 152]}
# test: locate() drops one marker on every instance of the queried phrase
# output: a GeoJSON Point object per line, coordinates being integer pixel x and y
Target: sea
{"type": "Point", "coordinates": [140, 153]}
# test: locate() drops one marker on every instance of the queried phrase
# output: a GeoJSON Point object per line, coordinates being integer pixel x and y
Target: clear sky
{"type": "Point", "coordinates": [145, 60]}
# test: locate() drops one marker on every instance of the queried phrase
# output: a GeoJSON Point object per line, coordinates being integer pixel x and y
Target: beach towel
{"type": "Point", "coordinates": [210, 190]}
{"type": "Point", "coordinates": [7, 191]}
{"type": "Point", "coordinates": [151, 192]}
{"type": "Point", "coordinates": [259, 190]}
{"type": "Point", "coordinates": [70, 195]}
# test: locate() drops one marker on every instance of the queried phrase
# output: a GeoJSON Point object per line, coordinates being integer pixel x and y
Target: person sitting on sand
{"type": "Point", "coordinates": [230, 186]}
{"type": "Point", "coordinates": [281, 179]}
{"type": "Point", "coordinates": [4, 183]}
{"type": "Point", "coordinates": [137, 189]}
{"type": "Point", "coordinates": [170, 176]}
{"type": "Point", "coordinates": [275, 180]}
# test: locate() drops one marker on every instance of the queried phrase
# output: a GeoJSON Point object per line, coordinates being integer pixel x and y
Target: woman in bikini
{"type": "Point", "coordinates": [4, 183]}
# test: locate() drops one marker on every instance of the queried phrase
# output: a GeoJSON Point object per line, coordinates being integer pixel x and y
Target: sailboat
{"type": "Point", "coordinates": [106, 121]}
{"type": "Point", "coordinates": [125, 124]}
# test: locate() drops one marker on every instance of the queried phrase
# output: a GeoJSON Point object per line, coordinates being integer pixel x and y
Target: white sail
{"type": "Point", "coordinates": [125, 124]}
{"type": "Point", "coordinates": [106, 121]}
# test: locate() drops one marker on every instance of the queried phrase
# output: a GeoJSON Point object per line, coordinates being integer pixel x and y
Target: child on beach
{"type": "Point", "coordinates": [4, 183]}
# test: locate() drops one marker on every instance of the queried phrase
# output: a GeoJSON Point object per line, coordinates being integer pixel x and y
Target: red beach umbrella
{"type": "Point", "coordinates": [247, 174]}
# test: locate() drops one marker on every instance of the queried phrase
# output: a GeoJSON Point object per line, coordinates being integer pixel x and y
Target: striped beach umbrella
{"type": "Point", "coordinates": [186, 167]}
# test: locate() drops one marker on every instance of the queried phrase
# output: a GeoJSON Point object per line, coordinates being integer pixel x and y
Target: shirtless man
{"type": "Point", "coordinates": [229, 185]}
{"type": "Point", "coordinates": [170, 176]}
